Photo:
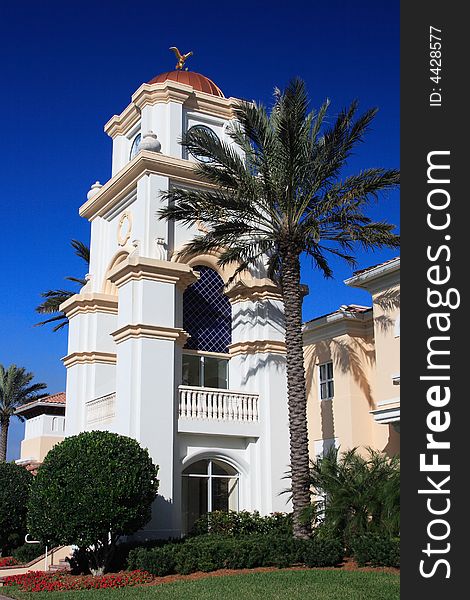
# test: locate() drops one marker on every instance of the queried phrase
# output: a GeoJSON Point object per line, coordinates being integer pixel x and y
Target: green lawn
{"type": "Point", "coordinates": [275, 585]}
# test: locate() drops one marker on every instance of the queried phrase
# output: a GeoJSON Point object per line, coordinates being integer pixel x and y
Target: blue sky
{"type": "Point", "coordinates": [67, 67]}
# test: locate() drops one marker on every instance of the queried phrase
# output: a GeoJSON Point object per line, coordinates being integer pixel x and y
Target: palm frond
{"type": "Point", "coordinates": [54, 298]}
{"type": "Point", "coordinates": [81, 250]}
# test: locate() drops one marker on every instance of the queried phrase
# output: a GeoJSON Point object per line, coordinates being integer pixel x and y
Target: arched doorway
{"type": "Point", "coordinates": [208, 485]}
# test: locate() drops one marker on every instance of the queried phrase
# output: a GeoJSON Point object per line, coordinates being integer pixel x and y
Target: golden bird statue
{"type": "Point", "coordinates": [182, 58]}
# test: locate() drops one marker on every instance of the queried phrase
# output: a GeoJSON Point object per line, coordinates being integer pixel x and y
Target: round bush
{"type": "Point", "coordinates": [91, 489]}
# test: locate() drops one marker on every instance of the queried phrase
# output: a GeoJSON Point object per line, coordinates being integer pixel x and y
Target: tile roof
{"type": "Point", "coordinates": [354, 308]}
{"type": "Point", "coordinates": [361, 271]}
{"type": "Point", "coordinates": [344, 309]}
{"type": "Point", "coordinates": [58, 398]}
{"type": "Point", "coordinates": [54, 399]}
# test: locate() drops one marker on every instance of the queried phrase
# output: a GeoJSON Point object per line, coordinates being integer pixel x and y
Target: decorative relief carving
{"type": "Point", "coordinates": [124, 228]}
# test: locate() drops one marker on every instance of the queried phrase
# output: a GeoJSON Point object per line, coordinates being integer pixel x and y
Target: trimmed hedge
{"type": "Point", "coordinates": [376, 550]}
{"type": "Point", "coordinates": [210, 553]}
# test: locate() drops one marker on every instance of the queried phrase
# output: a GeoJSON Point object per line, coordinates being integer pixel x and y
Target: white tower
{"type": "Point", "coordinates": [198, 378]}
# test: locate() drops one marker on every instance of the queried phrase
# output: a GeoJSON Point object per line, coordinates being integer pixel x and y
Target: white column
{"type": "Point", "coordinates": [258, 364]}
{"type": "Point", "coordinates": [174, 128]}
{"type": "Point", "coordinates": [147, 227]}
{"type": "Point", "coordinates": [148, 343]}
{"type": "Point", "coordinates": [91, 355]}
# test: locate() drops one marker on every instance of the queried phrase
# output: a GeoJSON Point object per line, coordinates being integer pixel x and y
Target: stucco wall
{"type": "Point", "coordinates": [37, 448]}
{"type": "Point", "coordinates": [346, 417]}
{"type": "Point", "coordinates": [386, 306]}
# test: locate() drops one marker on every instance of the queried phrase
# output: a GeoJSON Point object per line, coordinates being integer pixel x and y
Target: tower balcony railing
{"type": "Point", "coordinates": [101, 410]}
{"type": "Point", "coordinates": [212, 404]}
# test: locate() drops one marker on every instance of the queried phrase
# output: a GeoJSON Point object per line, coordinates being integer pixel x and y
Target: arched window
{"type": "Point", "coordinates": [208, 132]}
{"type": "Point", "coordinates": [208, 485]}
{"type": "Point", "coordinates": [135, 146]}
{"type": "Point", "coordinates": [207, 317]}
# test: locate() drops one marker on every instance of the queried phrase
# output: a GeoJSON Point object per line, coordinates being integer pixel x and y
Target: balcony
{"type": "Point", "coordinates": [100, 411]}
{"type": "Point", "coordinates": [218, 412]}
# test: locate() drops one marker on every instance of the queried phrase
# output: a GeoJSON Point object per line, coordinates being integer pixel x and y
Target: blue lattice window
{"type": "Point", "coordinates": [207, 315]}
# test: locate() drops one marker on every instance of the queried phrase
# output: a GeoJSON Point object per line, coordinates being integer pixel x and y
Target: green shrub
{"type": "Point", "coordinates": [28, 552]}
{"type": "Point", "coordinates": [92, 489]}
{"type": "Point", "coordinates": [356, 494]}
{"type": "Point", "coordinates": [209, 553]}
{"type": "Point", "coordinates": [159, 561]}
{"type": "Point", "coordinates": [376, 550]}
{"type": "Point", "coordinates": [120, 558]}
{"type": "Point", "coordinates": [245, 554]}
{"type": "Point", "coordinates": [321, 552]}
{"type": "Point", "coordinates": [242, 523]}
{"type": "Point", "coordinates": [15, 484]}
{"type": "Point", "coordinates": [206, 556]}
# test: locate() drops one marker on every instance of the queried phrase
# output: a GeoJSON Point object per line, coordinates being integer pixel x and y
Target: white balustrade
{"type": "Point", "coordinates": [217, 405]}
{"type": "Point", "coordinates": [101, 410]}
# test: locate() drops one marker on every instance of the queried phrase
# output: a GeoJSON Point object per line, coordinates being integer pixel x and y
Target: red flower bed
{"type": "Point", "coordinates": [7, 561]}
{"type": "Point", "coordinates": [40, 581]}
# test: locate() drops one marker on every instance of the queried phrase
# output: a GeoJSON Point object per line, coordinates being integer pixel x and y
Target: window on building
{"type": "Point", "coordinates": [327, 388]}
{"type": "Point", "coordinates": [207, 314]}
{"type": "Point", "coordinates": [208, 485]}
{"type": "Point", "coordinates": [135, 146]}
{"type": "Point", "coordinates": [207, 318]}
{"type": "Point", "coordinates": [208, 132]}
{"type": "Point", "coordinates": [205, 371]}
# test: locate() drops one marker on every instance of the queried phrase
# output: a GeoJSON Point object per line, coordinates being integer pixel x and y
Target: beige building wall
{"type": "Point", "coordinates": [363, 345]}
{"type": "Point", "coordinates": [37, 448]}
{"type": "Point", "coordinates": [383, 283]}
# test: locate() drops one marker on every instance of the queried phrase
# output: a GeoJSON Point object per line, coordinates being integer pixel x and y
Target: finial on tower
{"type": "Point", "coordinates": [182, 58]}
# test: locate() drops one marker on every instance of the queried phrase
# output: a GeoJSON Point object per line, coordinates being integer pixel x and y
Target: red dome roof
{"type": "Point", "coordinates": [196, 80]}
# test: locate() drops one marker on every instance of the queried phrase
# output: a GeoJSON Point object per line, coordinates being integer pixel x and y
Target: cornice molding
{"type": "Point", "coordinates": [89, 303]}
{"type": "Point", "coordinates": [125, 180]}
{"type": "Point", "coordinates": [386, 415]}
{"type": "Point", "coordinates": [377, 278]}
{"type": "Point", "coordinates": [156, 332]}
{"type": "Point", "coordinates": [253, 290]}
{"type": "Point", "coordinates": [86, 358]}
{"type": "Point", "coordinates": [257, 347]}
{"type": "Point", "coordinates": [328, 328]}
{"type": "Point", "coordinates": [135, 268]}
{"type": "Point", "coordinates": [162, 93]}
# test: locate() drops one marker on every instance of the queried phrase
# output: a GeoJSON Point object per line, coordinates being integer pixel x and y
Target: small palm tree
{"type": "Point", "coordinates": [360, 493]}
{"type": "Point", "coordinates": [54, 298]}
{"type": "Point", "coordinates": [16, 389]}
{"type": "Point", "coordinates": [278, 193]}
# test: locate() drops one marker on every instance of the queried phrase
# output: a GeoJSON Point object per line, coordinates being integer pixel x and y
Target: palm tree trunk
{"type": "Point", "coordinates": [4, 424]}
{"type": "Point", "coordinates": [296, 392]}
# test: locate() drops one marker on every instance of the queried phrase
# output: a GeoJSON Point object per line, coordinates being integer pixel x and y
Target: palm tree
{"type": "Point", "coordinates": [277, 192]}
{"type": "Point", "coordinates": [16, 389]}
{"type": "Point", "coordinates": [54, 298]}
{"type": "Point", "coordinates": [360, 493]}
